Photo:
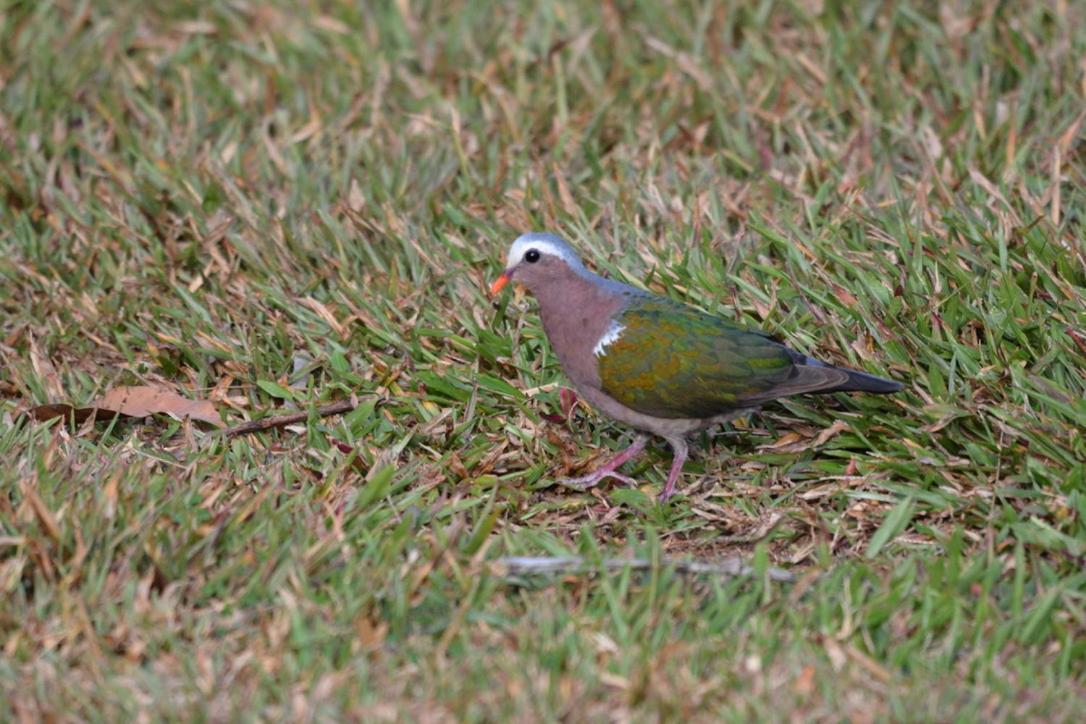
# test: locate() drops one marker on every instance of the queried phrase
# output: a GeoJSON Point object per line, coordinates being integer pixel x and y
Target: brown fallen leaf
{"type": "Point", "coordinates": [44, 369]}
{"type": "Point", "coordinates": [845, 296]}
{"type": "Point", "coordinates": [45, 517]}
{"type": "Point", "coordinates": [804, 438]}
{"type": "Point", "coordinates": [804, 683]}
{"type": "Point", "coordinates": [144, 400]}
{"type": "Point", "coordinates": [831, 431]}
{"type": "Point", "coordinates": [791, 441]}
{"type": "Point", "coordinates": [78, 415]}
{"type": "Point", "coordinates": [135, 402]}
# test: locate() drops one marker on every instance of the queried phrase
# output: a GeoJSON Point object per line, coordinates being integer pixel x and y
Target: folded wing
{"type": "Point", "coordinates": [673, 361]}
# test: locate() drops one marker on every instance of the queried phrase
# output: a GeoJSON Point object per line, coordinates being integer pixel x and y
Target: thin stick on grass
{"type": "Point", "coordinates": [275, 422]}
{"type": "Point", "coordinates": [546, 565]}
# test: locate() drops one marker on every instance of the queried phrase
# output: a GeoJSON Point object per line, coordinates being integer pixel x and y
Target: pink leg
{"type": "Point", "coordinates": [567, 398]}
{"type": "Point", "coordinates": [608, 470]}
{"type": "Point", "coordinates": [679, 449]}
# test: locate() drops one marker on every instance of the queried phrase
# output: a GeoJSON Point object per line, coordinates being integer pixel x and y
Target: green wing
{"type": "Point", "coordinates": [670, 360]}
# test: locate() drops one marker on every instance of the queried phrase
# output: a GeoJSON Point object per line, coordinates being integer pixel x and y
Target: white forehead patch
{"type": "Point", "coordinates": [614, 331]}
{"type": "Point", "coordinates": [544, 244]}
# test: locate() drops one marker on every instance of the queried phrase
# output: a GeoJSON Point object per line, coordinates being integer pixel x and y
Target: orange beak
{"type": "Point", "coordinates": [499, 283]}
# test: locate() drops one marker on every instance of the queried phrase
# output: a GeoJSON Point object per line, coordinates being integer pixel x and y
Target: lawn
{"type": "Point", "coordinates": [274, 206]}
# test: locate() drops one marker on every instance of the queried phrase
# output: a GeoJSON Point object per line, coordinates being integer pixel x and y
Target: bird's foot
{"type": "Point", "coordinates": [680, 449]}
{"type": "Point", "coordinates": [593, 479]}
{"type": "Point", "coordinates": [608, 470]}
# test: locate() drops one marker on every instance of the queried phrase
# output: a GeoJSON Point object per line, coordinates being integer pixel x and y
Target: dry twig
{"type": "Point", "coordinates": [541, 565]}
{"type": "Point", "coordinates": [277, 421]}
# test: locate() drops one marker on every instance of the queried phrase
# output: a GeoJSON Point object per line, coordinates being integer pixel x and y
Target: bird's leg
{"type": "Point", "coordinates": [679, 448]}
{"type": "Point", "coordinates": [567, 398]}
{"type": "Point", "coordinates": [608, 470]}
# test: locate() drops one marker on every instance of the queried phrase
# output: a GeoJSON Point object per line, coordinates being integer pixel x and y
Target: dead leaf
{"type": "Point", "coordinates": [324, 313]}
{"type": "Point", "coordinates": [804, 683]}
{"type": "Point", "coordinates": [791, 441]}
{"type": "Point", "coordinates": [836, 427]}
{"type": "Point", "coordinates": [804, 438]}
{"type": "Point", "coordinates": [44, 369]}
{"type": "Point", "coordinates": [568, 204]}
{"type": "Point", "coordinates": [144, 400]}
{"type": "Point", "coordinates": [872, 666]}
{"type": "Point", "coordinates": [133, 402]}
{"type": "Point", "coordinates": [45, 516]}
{"type": "Point", "coordinates": [78, 415]}
{"type": "Point", "coordinates": [835, 653]}
{"type": "Point", "coordinates": [370, 636]}
{"type": "Point", "coordinates": [845, 296]}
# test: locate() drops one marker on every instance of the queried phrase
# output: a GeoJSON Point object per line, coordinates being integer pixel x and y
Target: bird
{"type": "Point", "coordinates": [655, 364]}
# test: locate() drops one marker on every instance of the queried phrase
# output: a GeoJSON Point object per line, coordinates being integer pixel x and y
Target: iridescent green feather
{"type": "Point", "coordinates": [673, 361]}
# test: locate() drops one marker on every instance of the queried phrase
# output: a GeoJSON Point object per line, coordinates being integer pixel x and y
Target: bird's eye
{"type": "Point", "coordinates": [531, 256]}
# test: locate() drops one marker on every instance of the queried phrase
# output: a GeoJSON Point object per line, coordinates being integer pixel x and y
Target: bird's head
{"type": "Point", "coordinates": [535, 258]}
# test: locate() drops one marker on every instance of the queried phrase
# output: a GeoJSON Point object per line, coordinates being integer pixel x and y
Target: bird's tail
{"type": "Point", "coordinates": [857, 381]}
{"type": "Point", "coordinates": [863, 382]}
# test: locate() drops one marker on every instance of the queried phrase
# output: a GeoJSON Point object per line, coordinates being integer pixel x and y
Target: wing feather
{"type": "Point", "coordinates": [674, 361]}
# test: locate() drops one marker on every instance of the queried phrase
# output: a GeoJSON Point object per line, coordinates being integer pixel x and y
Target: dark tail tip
{"type": "Point", "coordinates": [857, 381]}
{"type": "Point", "coordinates": [863, 382]}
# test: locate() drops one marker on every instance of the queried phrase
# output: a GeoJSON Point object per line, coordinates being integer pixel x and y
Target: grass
{"type": "Point", "coordinates": [277, 204]}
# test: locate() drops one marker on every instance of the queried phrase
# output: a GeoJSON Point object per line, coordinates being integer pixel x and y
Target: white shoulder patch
{"type": "Point", "coordinates": [614, 331]}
